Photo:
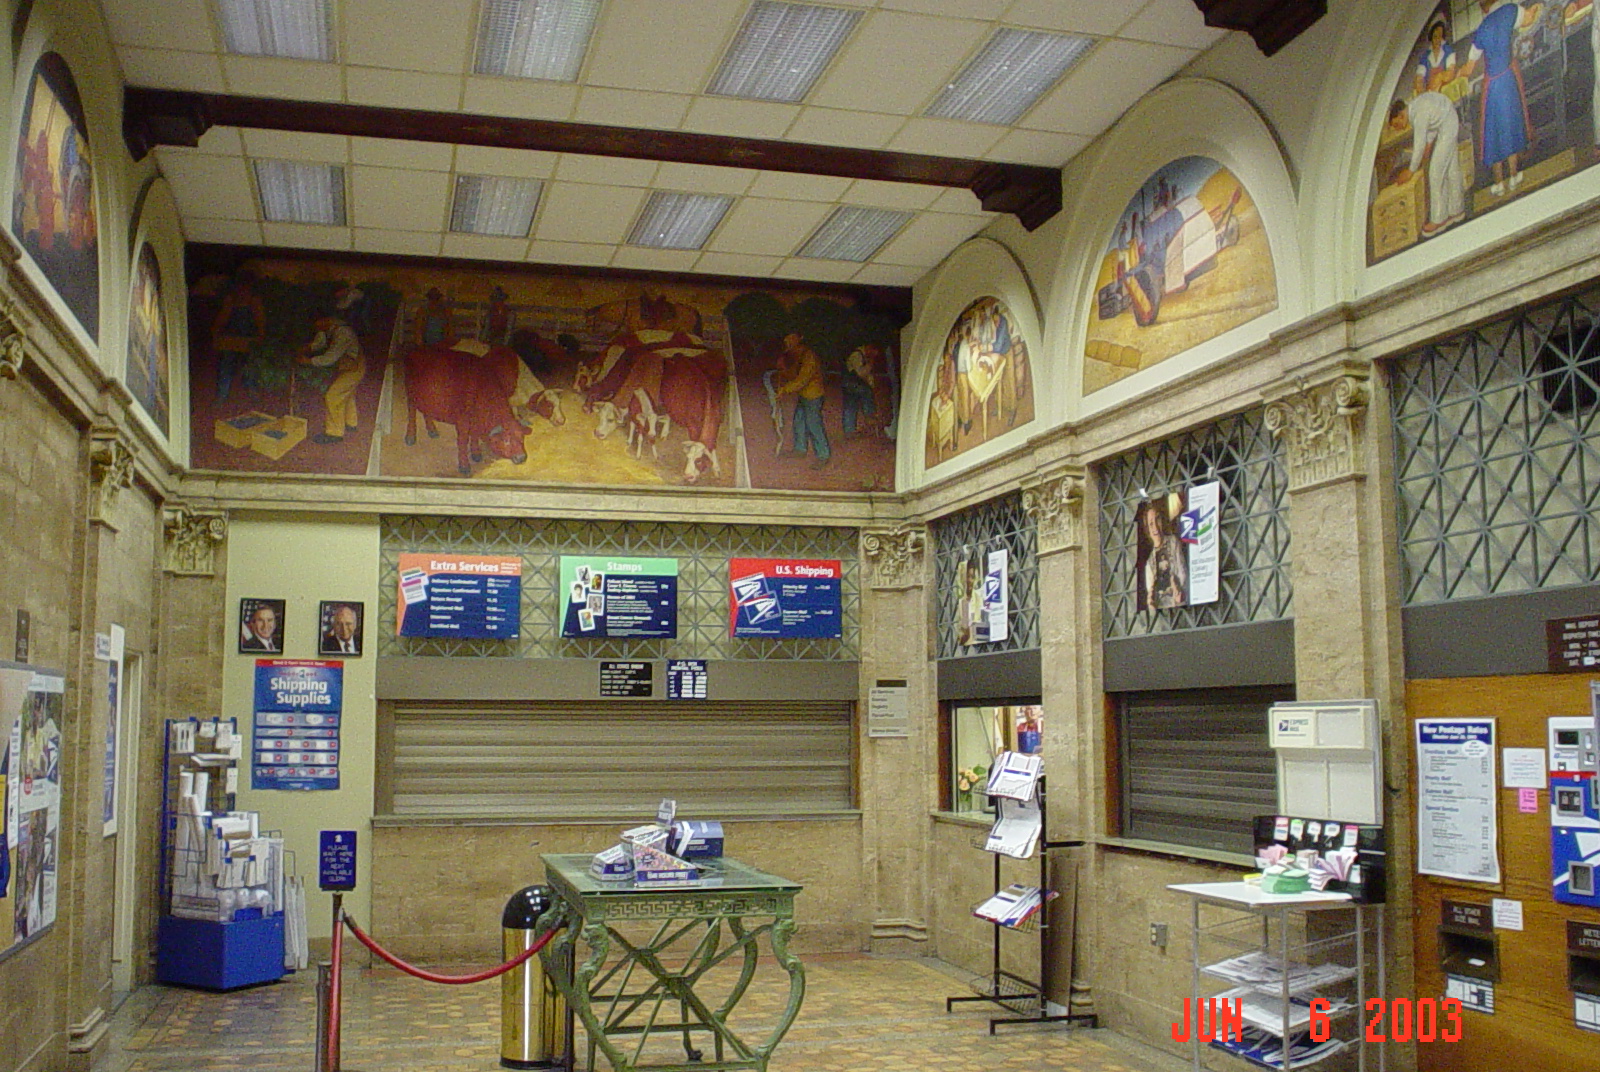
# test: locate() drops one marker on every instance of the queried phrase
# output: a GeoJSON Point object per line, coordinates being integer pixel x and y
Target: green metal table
{"type": "Point", "coordinates": [619, 988]}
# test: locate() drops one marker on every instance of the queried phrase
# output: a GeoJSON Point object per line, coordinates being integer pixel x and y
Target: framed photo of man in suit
{"type": "Point", "coordinates": [339, 628]}
{"type": "Point", "coordinates": [261, 627]}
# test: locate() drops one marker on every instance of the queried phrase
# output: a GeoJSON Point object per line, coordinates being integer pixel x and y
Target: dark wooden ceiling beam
{"type": "Point", "coordinates": [152, 117]}
{"type": "Point", "coordinates": [1272, 23]}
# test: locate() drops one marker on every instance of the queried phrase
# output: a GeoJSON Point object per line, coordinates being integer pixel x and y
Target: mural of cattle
{"type": "Point", "coordinates": [478, 388]}
{"type": "Point", "coordinates": [652, 380]}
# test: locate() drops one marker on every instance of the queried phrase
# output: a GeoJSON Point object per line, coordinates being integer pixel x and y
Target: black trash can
{"type": "Point", "coordinates": [533, 1016]}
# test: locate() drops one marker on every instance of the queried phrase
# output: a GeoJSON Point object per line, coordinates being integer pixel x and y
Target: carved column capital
{"type": "Point", "coordinates": [12, 352]}
{"type": "Point", "coordinates": [1321, 424]}
{"type": "Point", "coordinates": [1055, 503]}
{"type": "Point", "coordinates": [193, 537]}
{"type": "Point", "coordinates": [894, 556]}
{"type": "Point", "coordinates": [110, 470]}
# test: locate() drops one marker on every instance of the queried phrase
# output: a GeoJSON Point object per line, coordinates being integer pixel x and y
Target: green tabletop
{"type": "Point", "coordinates": [570, 871]}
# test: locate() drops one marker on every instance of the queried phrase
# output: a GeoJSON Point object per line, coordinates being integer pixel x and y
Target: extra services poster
{"type": "Point", "coordinates": [785, 597]}
{"type": "Point", "coordinates": [297, 703]}
{"type": "Point", "coordinates": [469, 596]}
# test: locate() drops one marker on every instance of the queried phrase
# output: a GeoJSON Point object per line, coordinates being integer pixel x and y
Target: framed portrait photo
{"type": "Point", "coordinates": [340, 624]}
{"type": "Point", "coordinates": [261, 626]}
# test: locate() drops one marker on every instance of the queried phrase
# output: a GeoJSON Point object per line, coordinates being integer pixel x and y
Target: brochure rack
{"type": "Point", "coordinates": [1025, 998]}
{"type": "Point", "coordinates": [1268, 956]}
{"type": "Point", "coordinates": [210, 936]}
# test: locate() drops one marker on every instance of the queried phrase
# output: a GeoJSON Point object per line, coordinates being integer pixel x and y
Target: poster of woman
{"type": "Point", "coordinates": [1161, 562]}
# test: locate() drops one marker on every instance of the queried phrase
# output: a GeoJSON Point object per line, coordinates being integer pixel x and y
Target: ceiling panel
{"type": "Point", "coordinates": [265, 76]}
{"type": "Point", "coordinates": [757, 225]}
{"type": "Point", "coordinates": [822, 271]}
{"type": "Point", "coordinates": [509, 163]}
{"type": "Point", "coordinates": [605, 170]}
{"type": "Point", "coordinates": [293, 145]}
{"type": "Point", "coordinates": [165, 69]}
{"type": "Point", "coordinates": [485, 247]}
{"type": "Point", "coordinates": [833, 126]}
{"type": "Point", "coordinates": [896, 61]}
{"type": "Point", "coordinates": [518, 97]}
{"type": "Point", "coordinates": [1037, 147]}
{"type": "Point", "coordinates": [740, 118]}
{"type": "Point", "coordinates": [715, 263]}
{"type": "Point", "coordinates": [631, 108]}
{"type": "Point", "coordinates": [305, 236]}
{"type": "Point", "coordinates": [183, 24]}
{"type": "Point", "coordinates": [888, 275]}
{"type": "Point", "coordinates": [407, 35]}
{"type": "Point", "coordinates": [1172, 22]}
{"type": "Point", "coordinates": [215, 187]}
{"type": "Point", "coordinates": [225, 232]}
{"type": "Point", "coordinates": [577, 212]}
{"type": "Point", "coordinates": [789, 187]}
{"type": "Point", "coordinates": [399, 200]}
{"type": "Point", "coordinates": [928, 238]}
{"type": "Point", "coordinates": [946, 137]}
{"type": "Point", "coordinates": [1104, 85]}
{"type": "Point", "coordinates": [405, 243]}
{"type": "Point", "coordinates": [666, 45]}
{"type": "Point", "coordinates": [382, 152]}
{"type": "Point", "coordinates": [381, 86]}
{"type": "Point", "coordinates": [655, 260]}
{"type": "Point", "coordinates": [895, 195]}
{"type": "Point", "coordinates": [587, 254]}
{"type": "Point", "coordinates": [1095, 17]}
{"type": "Point", "coordinates": [700, 179]}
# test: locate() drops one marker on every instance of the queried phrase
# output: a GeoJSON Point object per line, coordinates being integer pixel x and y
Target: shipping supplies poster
{"type": "Point", "coordinates": [32, 707]}
{"type": "Point", "coordinates": [785, 598]}
{"type": "Point", "coordinates": [619, 597]}
{"type": "Point", "coordinates": [466, 596]}
{"type": "Point", "coordinates": [298, 703]}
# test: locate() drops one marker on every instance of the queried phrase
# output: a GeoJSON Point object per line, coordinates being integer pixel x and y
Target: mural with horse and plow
{"type": "Point", "coordinates": [375, 367]}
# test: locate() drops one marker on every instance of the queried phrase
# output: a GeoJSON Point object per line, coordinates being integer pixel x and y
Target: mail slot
{"type": "Point", "coordinates": [1468, 945]}
{"type": "Point", "coordinates": [1583, 957]}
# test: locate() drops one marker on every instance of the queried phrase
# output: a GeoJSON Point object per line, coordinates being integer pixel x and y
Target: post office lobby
{"type": "Point", "coordinates": [1383, 355]}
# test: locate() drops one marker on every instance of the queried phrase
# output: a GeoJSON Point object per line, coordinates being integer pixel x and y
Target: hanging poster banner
{"type": "Point", "coordinates": [785, 597]}
{"type": "Point", "coordinates": [997, 595]}
{"type": "Point", "coordinates": [1456, 819]}
{"type": "Point", "coordinates": [619, 597]}
{"type": "Point", "coordinates": [983, 592]}
{"type": "Point", "coordinates": [466, 596]}
{"type": "Point", "coordinates": [1197, 531]}
{"type": "Point", "coordinates": [117, 643]}
{"type": "Point", "coordinates": [297, 703]}
{"type": "Point", "coordinates": [32, 706]}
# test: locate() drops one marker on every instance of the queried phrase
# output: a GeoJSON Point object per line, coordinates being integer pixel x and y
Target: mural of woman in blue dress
{"type": "Point", "coordinates": [1503, 108]}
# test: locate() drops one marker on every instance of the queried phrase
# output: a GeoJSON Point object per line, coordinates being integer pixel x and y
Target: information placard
{"type": "Point", "coordinates": [785, 597]}
{"type": "Point", "coordinates": [1457, 825]}
{"type": "Point", "coordinates": [296, 742]}
{"type": "Point", "coordinates": [336, 860]}
{"type": "Point", "coordinates": [627, 678]}
{"type": "Point", "coordinates": [686, 679]}
{"type": "Point", "coordinates": [1572, 644]}
{"type": "Point", "coordinates": [467, 596]}
{"type": "Point", "coordinates": [619, 597]}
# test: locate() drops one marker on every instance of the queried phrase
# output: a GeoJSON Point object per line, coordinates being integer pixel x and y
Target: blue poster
{"type": "Point", "coordinates": [297, 705]}
{"type": "Point", "coordinates": [785, 597]}
{"type": "Point", "coordinates": [619, 597]}
{"type": "Point", "coordinates": [450, 595]}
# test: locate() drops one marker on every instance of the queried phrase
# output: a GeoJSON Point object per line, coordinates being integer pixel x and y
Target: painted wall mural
{"type": "Point", "coordinates": [1497, 100]}
{"type": "Point", "coordinates": [380, 368]}
{"type": "Point", "coordinates": [1189, 260]}
{"type": "Point", "coordinates": [148, 378]}
{"type": "Point", "coordinates": [52, 208]}
{"type": "Point", "coordinates": [984, 386]}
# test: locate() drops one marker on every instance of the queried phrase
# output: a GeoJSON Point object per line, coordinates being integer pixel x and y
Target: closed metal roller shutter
{"type": "Point", "coordinates": [1196, 766]}
{"type": "Point", "coordinates": [580, 761]}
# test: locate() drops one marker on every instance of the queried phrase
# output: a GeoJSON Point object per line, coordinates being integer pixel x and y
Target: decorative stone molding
{"type": "Point", "coordinates": [1321, 424]}
{"type": "Point", "coordinates": [193, 537]}
{"type": "Point", "coordinates": [1055, 503]}
{"type": "Point", "coordinates": [110, 470]}
{"type": "Point", "coordinates": [894, 556]}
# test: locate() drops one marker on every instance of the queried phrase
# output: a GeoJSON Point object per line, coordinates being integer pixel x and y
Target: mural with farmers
{"type": "Point", "coordinates": [984, 386]}
{"type": "Point", "coordinates": [305, 364]}
{"type": "Point", "coordinates": [1187, 261]}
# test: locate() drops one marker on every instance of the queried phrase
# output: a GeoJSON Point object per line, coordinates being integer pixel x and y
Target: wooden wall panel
{"type": "Point", "coordinates": [1532, 1025]}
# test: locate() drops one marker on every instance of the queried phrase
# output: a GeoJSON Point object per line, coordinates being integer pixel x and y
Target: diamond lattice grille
{"type": "Point", "coordinates": [702, 552]}
{"type": "Point", "coordinates": [1253, 527]}
{"type": "Point", "coordinates": [991, 526]}
{"type": "Point", "coordinates": [1497, 456]}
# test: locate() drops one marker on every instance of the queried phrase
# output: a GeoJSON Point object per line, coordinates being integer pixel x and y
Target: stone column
{"type": "Point", "coordinates": [1054, 502]}
{"type": "Point", "coordinates": [1344, 568]}
{"type": "Point", "coordinates": [898, 785]}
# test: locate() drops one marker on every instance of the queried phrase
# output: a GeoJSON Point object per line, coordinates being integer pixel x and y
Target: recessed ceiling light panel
{"type": "Point", "coordinates": [678, 221]}
{"type": "Point", "coordinates": [296, 29]}
{"type": "Point", "coordinates": [491, 205]}
{"type": "Point", "coordinates": [854, 233]}
{"type": "Point", "coordinates": [781, 50]}
{"type": "Point", "coordinates": [1006, 77]}
{"type": "Point", "coordinates": [294, 192]}
{"type": "Point", "coordinates": [535, 38]}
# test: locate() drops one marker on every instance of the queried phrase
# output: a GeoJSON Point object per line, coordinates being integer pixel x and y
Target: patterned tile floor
{"type": "Point", "coordinates": [861, 1014]}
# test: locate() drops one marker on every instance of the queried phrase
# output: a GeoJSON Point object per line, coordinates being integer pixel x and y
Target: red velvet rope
{"type": "Point", "coordinates": [433, 977]}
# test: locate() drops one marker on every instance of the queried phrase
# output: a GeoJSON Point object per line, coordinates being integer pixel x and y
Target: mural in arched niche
{"type": "Point", "coordinates": [1497, 100]}
{"type": "Point", "coordinates": [984, 386]}
{"type": "Point", "coordinates": [52, 209]}
{"type": "Point", "coordinates": [1189, 259]}
{"type": "Point", "coordinates": [147, 376]}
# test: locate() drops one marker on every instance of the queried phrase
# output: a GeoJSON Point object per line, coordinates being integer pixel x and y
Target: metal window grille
{"type": "Point", "coordinates": [1497, 455]}
{"type": "Point", "coordinates": [702, 552]}
{"type": "Point", "coordinates": [1253, 525]}
{"type": "Point", "coordinates": [999, 523]}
